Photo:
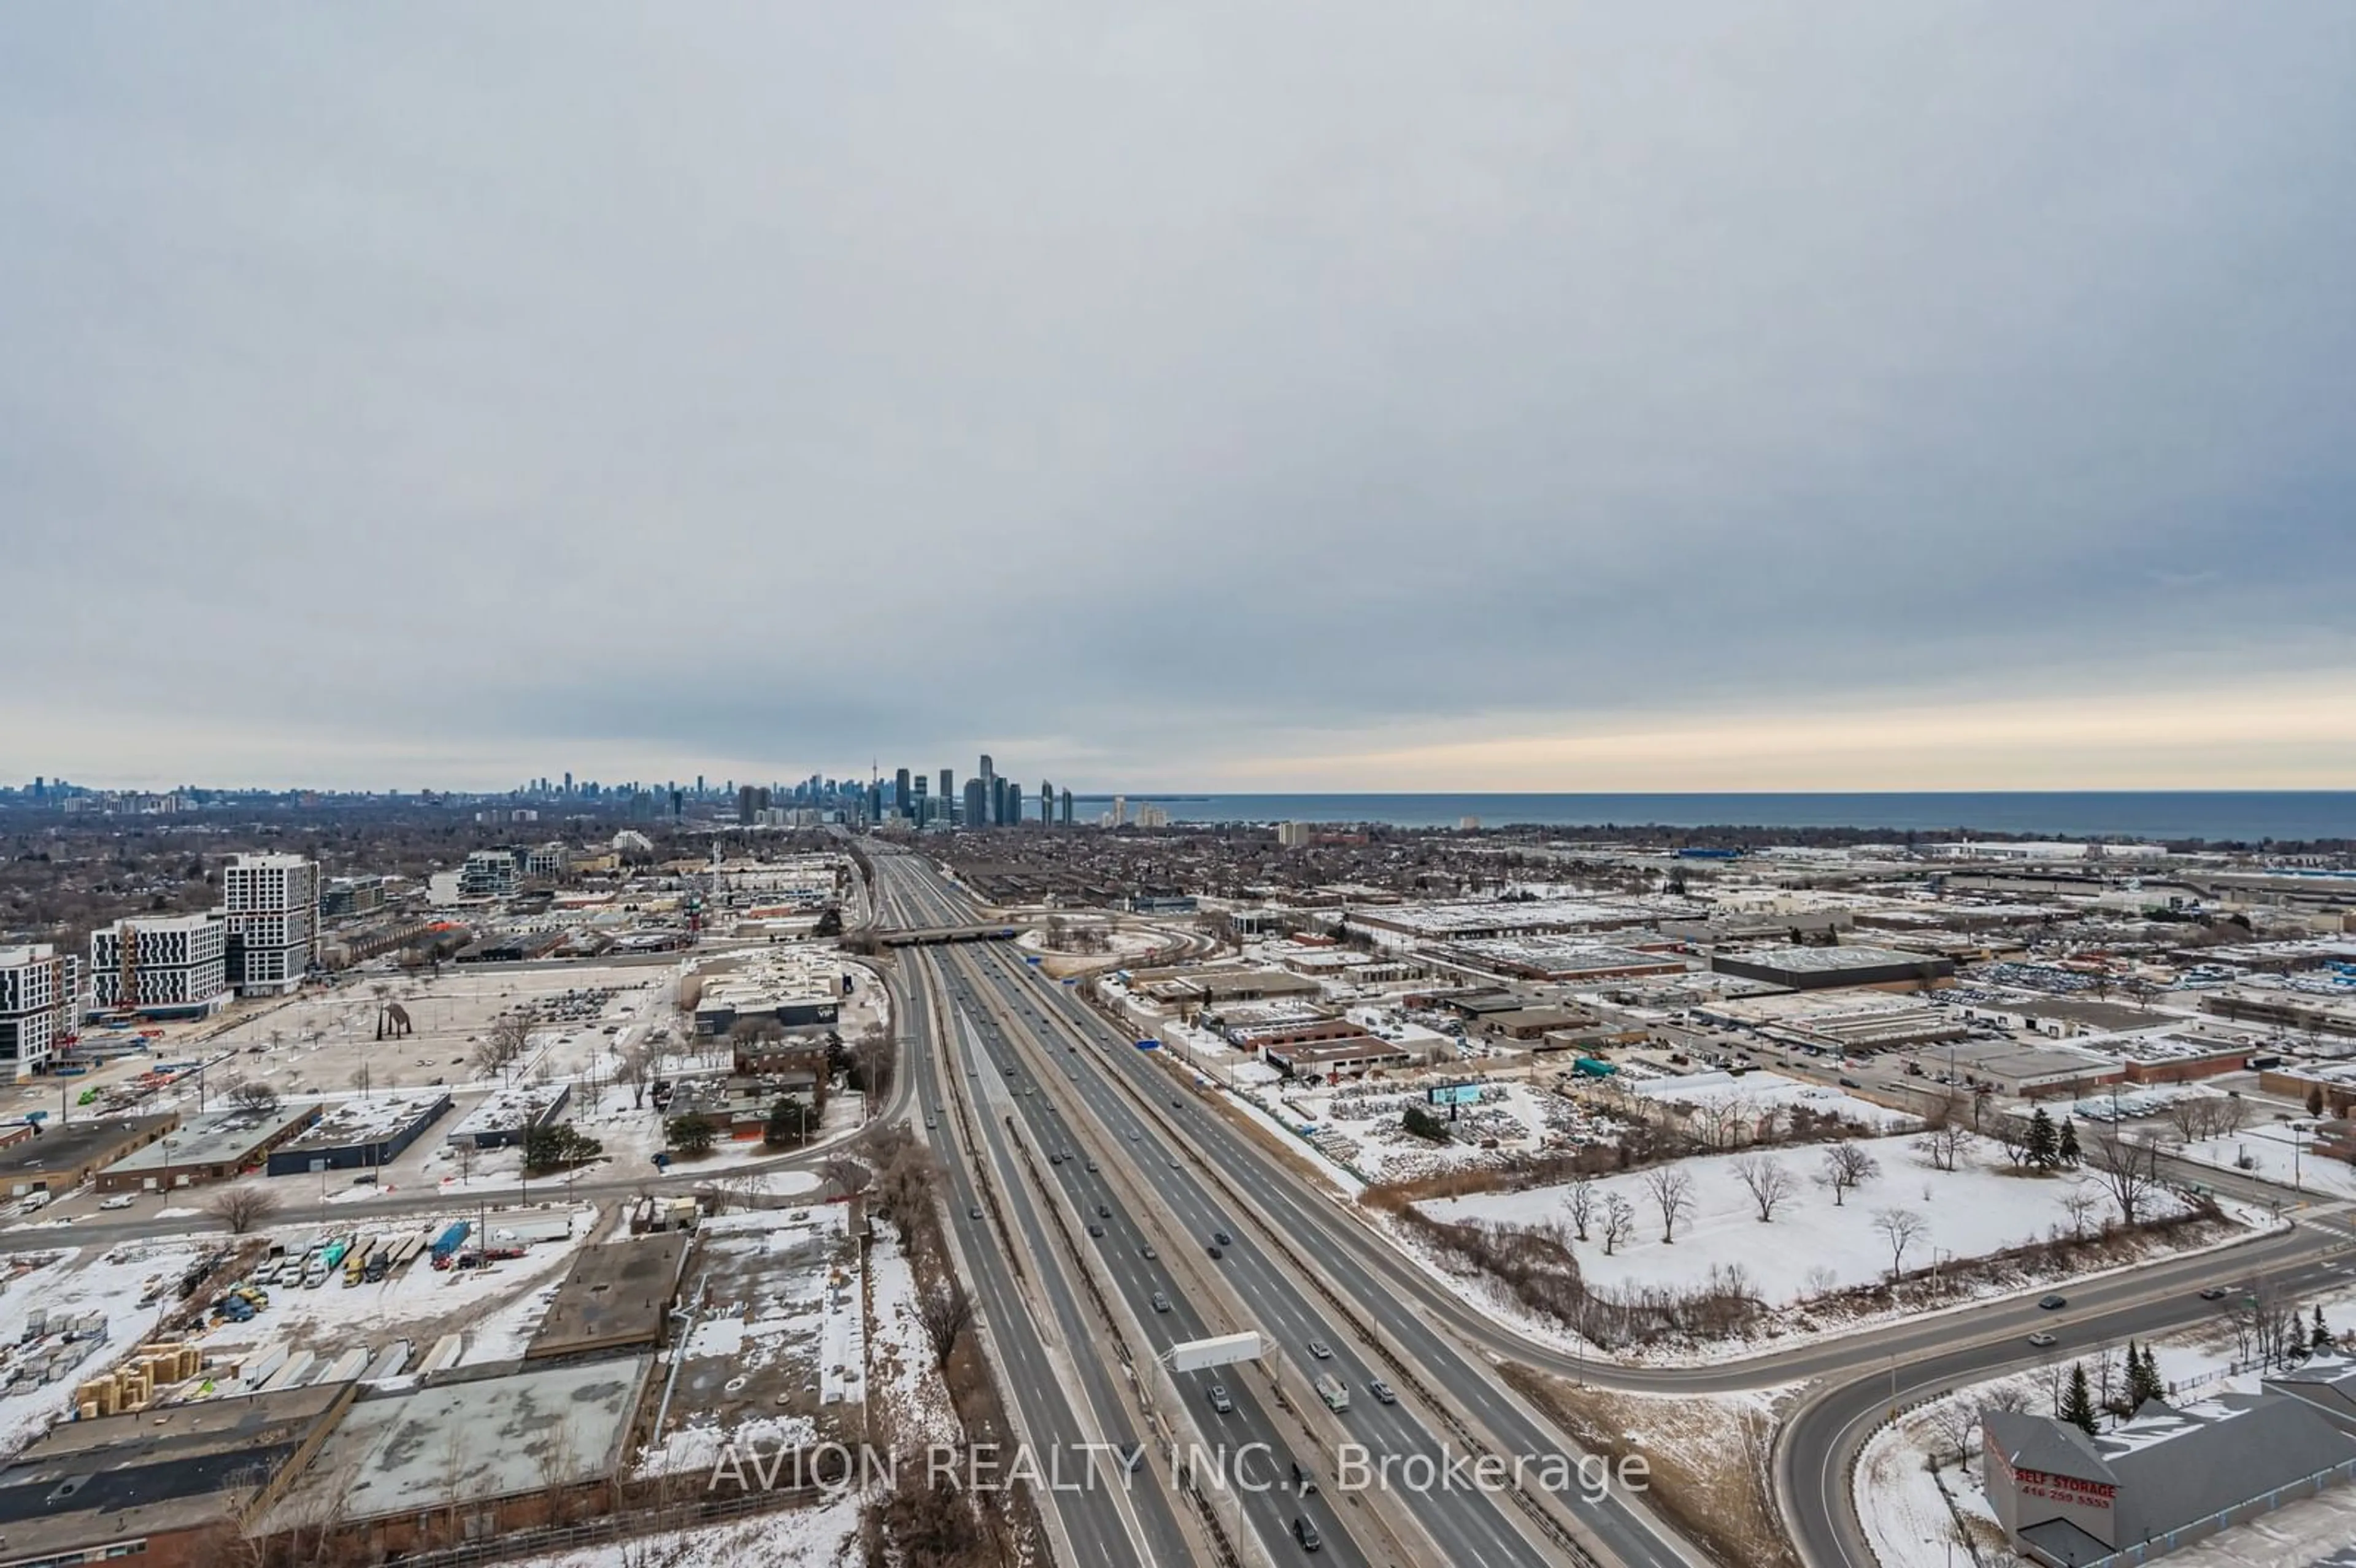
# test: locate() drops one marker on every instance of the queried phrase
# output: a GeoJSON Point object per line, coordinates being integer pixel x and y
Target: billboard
{"type": "Point", "coordinates": [1456, 1095]}
{"type": "Point", "coordinates": [1194, 1355]}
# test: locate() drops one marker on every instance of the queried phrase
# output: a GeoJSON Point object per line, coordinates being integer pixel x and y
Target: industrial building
{"type": "Point", "coordinates": [173, 1488]}
{"type": "Point", "coordinates": [40, 996]}
{"type": "Point", "coordinates": [507, 1116]}
{"type": "Point", "coordinates": [161, 966]}
{"type": "Point", "coordinates": [361, 1134]}
{"type": "Point", "coordinates": [215, 1146]}
{"type": "Point", "coordinates": [61, 1157]}
{"type": "Point", "coordinates": [465, 1460]}
{"type": "Point", "coordinates": [1823, 968]}
{"type": "Point", "coordinates": [1338, 1058]}
{"type": "Point", "coordinates": [269, 906]}
{"type": "Point", "coordinates": [2164, 1479]}
{"type": "Point", "coordinates": [2033, 1072]}
{"type": "Point", "coordinates": [615, 1298]}
{"type": "Point", "coordinates": [1561, 960]}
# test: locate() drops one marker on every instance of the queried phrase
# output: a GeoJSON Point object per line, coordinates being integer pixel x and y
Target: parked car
{"type": "Point", "coordinates": [120, 1200]}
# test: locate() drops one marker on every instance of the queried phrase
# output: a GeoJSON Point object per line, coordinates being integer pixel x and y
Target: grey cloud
{"type": "Point", "coordinates": [806, 385]}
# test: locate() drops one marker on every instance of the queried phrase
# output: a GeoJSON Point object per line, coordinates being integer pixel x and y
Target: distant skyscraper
{"type": "Point", "coordinates": [977, 803]}
{"type": "Point", "coordinates": [1014, 803]}
{"type": "Point", "coordinates": [948, 794]}
{"type": "Point", "coordinates": [1046, 804]}
{"type": "Point", "coordinates": [900, 798]}
{"type": "Point", "coordinates": [1068, 807]}
{"type": "Point", "coordinates": [1119, 810]}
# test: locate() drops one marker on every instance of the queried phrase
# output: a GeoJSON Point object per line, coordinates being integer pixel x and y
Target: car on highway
{"type": "Point", "coordinates": [1092, 1166]}
{"type": "Point", "coordinates": [1321, 1349]}
{"type": "Point", "coordinates": [929, 1122]}
{"type": "Point", "coordinates": [2214, 1292]}
{"type": "Point", "coordinates": [1095, 1229]}
{"type": "Point", "coordinates": [1104, 1210]}
{"type": "Point", "coordinates": [1160, 1302]}
{"type": "Point", "coordinates": [973, 1211]}
{"type": "Point", "coordinates": [1306, 1533]}
{"type": "Point", "coordinates": [120, 1200]}
{"type": "Point", "coordinates": [1219, 1400]}
{"type": "Point", "coordinates": [2052, 1303]}
{"type": "Point", "coordinates": [1215, 1252]}
{"type": "Point", "coordinates": [1147, 1252]}
{"type": "Point", "coordinates": [2041, 1340]}
{"type": "Point", "coordinates": [1382, 1392]}
{"type": "Point", "coordinates": [1173, 1105]}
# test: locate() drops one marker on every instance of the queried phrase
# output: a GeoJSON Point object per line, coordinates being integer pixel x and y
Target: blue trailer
{"type": "Point", "coordinates": [446, 1245]}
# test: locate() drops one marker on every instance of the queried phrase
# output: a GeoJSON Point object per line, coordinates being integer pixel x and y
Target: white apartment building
{"type": "Point", "coordinates": [490, 874]}
{"type": "Point", "coordinates": [39, 990]}
{"type": "Point", "coordinates": [175, 964]}
{"type": "Point", "coordinates": [271, 904]}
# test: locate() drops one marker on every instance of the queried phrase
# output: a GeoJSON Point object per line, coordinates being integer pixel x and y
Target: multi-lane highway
{"type": "Point", "coordinates": [1289, 1285]}
{"type": "Point", "coordinates": [1397, 1308]}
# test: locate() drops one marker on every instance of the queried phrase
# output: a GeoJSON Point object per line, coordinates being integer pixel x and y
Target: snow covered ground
{"type": "Point", "coordinates": [1908, 1522]}
{"type": "Point", "coordinates": [819, 1536]}
{"type": "Point", "coordinates": [2279, 1152]}
{"type": "Point", "coordinates": [917, 1409]}
{"type": "Point", "coordinates": [496, 1306]}
{"type": "Point", "coordinates": [1813, 1245]}
{"type": "Point", "coordinates": [780, 1338]}
{"type": "Point", "coordinates": [1754, 1094]}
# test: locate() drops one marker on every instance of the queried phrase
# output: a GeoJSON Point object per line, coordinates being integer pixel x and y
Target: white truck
{"type": "Point", "coordinates": [1334, 1392]}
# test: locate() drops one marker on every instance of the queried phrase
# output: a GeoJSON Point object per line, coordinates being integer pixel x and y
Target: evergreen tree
{"type": "Point", "coordinates": [2067, 1151]}
{"type": "Point", "coordinates": [2143, 1377]}
{"type": "Point", "coordinates": [2294, 1339]}
{"type": "Point", "coordinates": [2321, 1337]}
{"type": "Point", "coordinates": [2077, 1405]}
{"type": "Point", "coordinates": [2044, 1150]}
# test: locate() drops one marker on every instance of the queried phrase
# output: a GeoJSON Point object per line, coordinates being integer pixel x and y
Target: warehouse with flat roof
{"type": "Point", "coordinates": [1822, 968]}
{"type": "Point", "coordinates": [215, 1146]}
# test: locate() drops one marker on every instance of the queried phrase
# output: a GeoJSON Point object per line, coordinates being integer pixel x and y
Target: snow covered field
{"type": "Point", "coordinates": [780, 1338]}
{"type": "Point", "coordinates": [1752, 1095]}
{"type": "Point", "coordinates": [2268, 1147]}
{"type": "Point", "coordinates": [1813, 1245]}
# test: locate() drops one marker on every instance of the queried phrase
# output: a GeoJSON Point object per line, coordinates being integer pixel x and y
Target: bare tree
{"type": "Point", "coordinates": [2080, 1203]}
{"type": "Point", "coordinates": [1848, 1165]}
{"type": "Point", "coordinates": [943, 1314]}
{"type": "Point", "coordinates": [1619, 1219]}
{"type": "Point", "coordinates": [2128, 1168]}
{"type": "Point", "coordinates": [1769, 1182]}
{"type": "Point", "coordinates": [1582, 1202]}
{"type": "Point", "coordinates": [1956, 1422]}
{"type": "Point", "coordinates": [255, 1095]}
{"type": "Point", "coordinates": [1672, 1191]}
{"type": "Point", "coordinates": [636, 1069]}
{"type": "Point", "coordinates": [243, 1208]}
{"type": "Point", "coordinates": [1902, 1228]}
{"type": "Point", "coordinates": [1945, 1142]}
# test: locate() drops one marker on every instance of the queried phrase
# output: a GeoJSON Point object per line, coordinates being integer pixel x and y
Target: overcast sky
{"type": "Point", "coordinates": [1248, 396]}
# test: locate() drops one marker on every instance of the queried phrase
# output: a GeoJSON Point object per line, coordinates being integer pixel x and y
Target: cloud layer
{"type": "Point", "coordinates": [439, 395]}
